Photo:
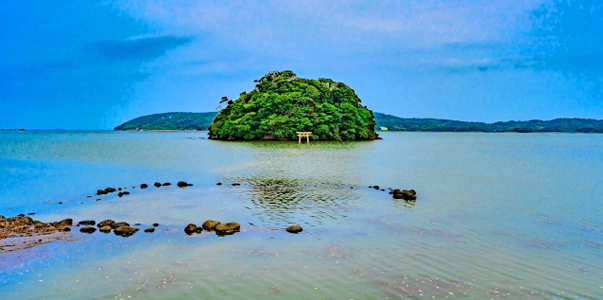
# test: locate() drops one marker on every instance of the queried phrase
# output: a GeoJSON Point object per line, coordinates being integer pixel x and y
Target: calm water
{"type": "Point", "coordinates": [498, 216]}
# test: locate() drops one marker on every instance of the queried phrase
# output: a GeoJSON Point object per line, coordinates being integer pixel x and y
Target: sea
{"type": "Point", "coordinates": [498, 216]}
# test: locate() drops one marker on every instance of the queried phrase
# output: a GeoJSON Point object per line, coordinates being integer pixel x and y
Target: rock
{"type": "Point", "coordinates": [66, 222]}
{"type": "Point", "coordinates": [88, 229]}
{"type": "Point", "coordinates": [150, 229]}
{"type": "Point", "coordinates": [192, 228]}
{"type": "Point", "coordinates": [210, 225]}
{"type": "Point", "coordinates": [105, 223]}
{"type": "Point", "coordinates": [119, 189]}
{"type": "Point", "coordinates": [167, 184]}
{"type": "Point", "coordinates": [86, 222]}
{"type": "Point", "coordinates": [31, 213]}
{"type": "Point", "coordinates": [405, 194]}
{"type": "Point", "coordinates": [294, 229]}
{"type": "Point", "coordinates": [66, 229]}
{"type": "Point", "coordinates": [144, 186]}
{"type": "Point", "coordinates": [101, 192]}
{"type": "Point", "coordinates": [120, 194]}
{"type": "Point", "coordinates": [236, 184]}
{"type": "Point", "coordinates": [105, 229]}
{"type": "Point", "coordinates": [219, 183]}
{"type": "Point", "coordinates": [110, 190]}
{"type": "Point", "coordinates": [376, 187]}
{"type": "Point", "coordinates": [182, 184]}
{"type": "Point", "coordinates": [137, 224]}
{"type": "Point", "coordinates": [157, 184]}
{"type": "Point", "coordinates": [227, 228]}
{"type": "Point", "coordinates": [125, 231]}
{"type": "Point", "coordinates": [155, 224]}
{"type": "Point", "coordinates": [126, 193]}
{"type": "Point", "coordinates": [21, 215]}
{"type": "Point", "coordinates": [60, 202]}
{"type": "Point", "coordinates": [370, 186]}
{"type": "Point", "coordinates": [119, 224]}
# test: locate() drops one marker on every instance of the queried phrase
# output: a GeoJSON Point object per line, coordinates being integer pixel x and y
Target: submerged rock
{"type": "Point", "coordinates": [210, 225]}
{"type": "Point", "coordinates": [86, 223]}
{"type": "Point", "coordinates": [119, 224]}
{"type": "Point", "coordinates": [105, 229]}
{"type": "Point", "coordinates": [125, 231]}
{"type": "Point", "coordinates": [227, 228]}
{"type": "Point", "coordinates": [294, 229]}
{"type": "Point", "coordinates": [88, 229]}
{"type": "Point", "coordinates": [105, 223]}
{"type": "Point", "coordinates": [182, 184]}
{"type": "Point", "coordinates": [192, 228]}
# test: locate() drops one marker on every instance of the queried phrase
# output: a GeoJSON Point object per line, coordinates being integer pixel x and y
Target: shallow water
{"type": "Point", "coordinates": [499, 216]}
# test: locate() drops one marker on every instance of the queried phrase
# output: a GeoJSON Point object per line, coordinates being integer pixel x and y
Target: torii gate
{"type": "Point", "coordinates": [306, 135]}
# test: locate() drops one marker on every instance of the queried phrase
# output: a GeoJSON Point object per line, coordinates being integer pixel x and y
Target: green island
{"type": "Point", "coordinates": [282, 104]}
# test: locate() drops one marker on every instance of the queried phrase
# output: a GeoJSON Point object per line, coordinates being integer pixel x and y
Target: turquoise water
{"type": "Point", "coordinates": [499, 216]}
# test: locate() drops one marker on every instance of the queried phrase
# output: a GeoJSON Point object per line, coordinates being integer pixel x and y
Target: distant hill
{"type": "Point", "coordinates": [394, 123]}
{"type": "Point", "coordinates": [170, 121]}
{"type": "Point", "coordinates": [201, 121]}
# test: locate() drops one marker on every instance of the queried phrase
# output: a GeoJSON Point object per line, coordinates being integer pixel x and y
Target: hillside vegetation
{"type": "Point", "coordinates": [170, 121]}
{"type": "Point", "coordinates": [282, 104]}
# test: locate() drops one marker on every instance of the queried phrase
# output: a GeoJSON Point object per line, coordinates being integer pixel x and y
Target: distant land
{"type": "Point", "coordinates": [201, 121]}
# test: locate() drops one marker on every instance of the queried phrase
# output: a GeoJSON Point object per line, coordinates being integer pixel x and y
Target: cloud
{"type": "Point", "coordinates": [138, 48]}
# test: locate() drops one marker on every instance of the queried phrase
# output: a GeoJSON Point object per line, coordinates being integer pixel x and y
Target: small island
{"type": "Point", "coordinates": [282, 104]}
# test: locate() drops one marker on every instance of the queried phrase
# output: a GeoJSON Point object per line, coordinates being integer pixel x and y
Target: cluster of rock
{"type": "Point", "coordinates": [221, 229]}
{"type": "Point", "coordinates": [122, 229]}
{"type": "Point", "coordinates": [408, 195]}
{"type": "Point", "coordinates": [123, 192]}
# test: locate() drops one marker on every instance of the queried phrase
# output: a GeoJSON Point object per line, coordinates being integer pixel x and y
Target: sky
{"type": "Point", "coordinates": [96, 64]}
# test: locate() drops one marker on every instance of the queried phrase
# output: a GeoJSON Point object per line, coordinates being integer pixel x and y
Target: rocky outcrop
{"type": "Point", "coordinates": [294, 229]}
{"type": "Point", "coordinates": [210, 225]}
{"type": "Point", "coordinates": [227, 228]}
{"type": "Point", "coordinates": [408, 195]}
{"type": "Point", "coordinates": [192, 228]}
{"type": "Point", "coordinates": [125, 231]}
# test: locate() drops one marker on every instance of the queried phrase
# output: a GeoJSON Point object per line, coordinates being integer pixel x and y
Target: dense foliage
{"type": "Point", "coordinates": [170, 121]}
{"type": "Point", "coordinates": [282, 104]}
{"type": "Point", "coordinates": [557, 125]}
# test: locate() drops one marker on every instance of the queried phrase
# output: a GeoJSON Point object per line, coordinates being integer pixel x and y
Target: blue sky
{"type": "Point", "coordinates": [96, 64]}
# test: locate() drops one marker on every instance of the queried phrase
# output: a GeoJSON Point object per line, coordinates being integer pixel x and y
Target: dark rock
{"type": "Point", "coordinates": [376, 187]}
{"type": "Point", "coordinates": [119, 224]}
{"type": "Point", "coordinates": [370, 186]}
{"type": "Point", "coordinates": [155, 224]}
{"type": "Point", "coordinates": [144, 186]}
{"type": "Point", "coordinates": [167, 184]}
{"type": "Point", "coordinates": [86, 223]}
{"type": "Point", "coordinates": [66, 229]}
{"type": "Point", "coordinates": [110, 190]}
{"type": "Point", "coordinates": [31, 213]}
{"type": "Point", "coordinates": [105, 229]}
{"type": "Point", "coordinates": [351, 187]}
{"type": "Point", "coordinates": [210, 225]}
{"type": "Point", "coordinates": [294, 229]}
{"type": "Point", "coordinates": [150, 229]}
{"type": "Point", "coordinates": [119, 189]}
{"type": "Point", "coordinates": [405, 194]}
{"type": "Point", "coordinates": [219, 183]}
{"type": "Point", "coordinates": [105, 223]}
{"type": "Point", "coordinates": [88, 196]}
{"type": "Point", "coordinates": [126, 193]}
{"type": "Point", "coordinates": [125, 231]}
{"type": "Point", "coordinates": [382, 190]}
{"type": "Point", "coordinates": [227, 228]}
{"type": "Point", "coordinates": [136, 224]}
{"type": "Point", "coordinates": [88, 229]}
{"type": "Point", "coordinates": [21, 215]}
{"type": "Point", "coordinates": [120, 194]}
{"type": "Point", "coordinates": [101, 192]}
{"type": "Point", "coordinates": [60, 202]}
{"type": "Point", "coordinates": [236, 184]}
{"type": "Point", "coordinates": [157, 184]}
{"type": "Point", "coordinates": [182, 184]}
{"type": "Point", "coordinates": [192, 228]}
{"type": "Point", "coordinates": [66, 222]}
